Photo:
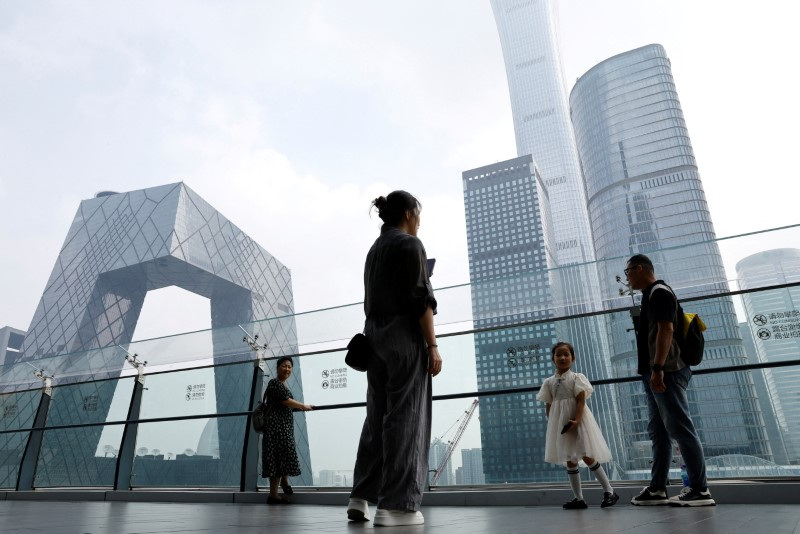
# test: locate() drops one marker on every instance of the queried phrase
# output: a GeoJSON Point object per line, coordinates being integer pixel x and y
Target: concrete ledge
{"type": "Point", "coordinates": [57, 495]}
{"type": "Point", "coordinates": [724, 492]}
{"type": "Point", "coordinates": [178, 496]}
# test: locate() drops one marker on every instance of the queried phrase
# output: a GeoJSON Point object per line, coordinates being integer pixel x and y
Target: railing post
{"type": "Point", "coordinates": [250, 452]}
{"type": "Point", "coordinates": [30, 457]}
{"type": "Point", "coordinates": [127, 449]}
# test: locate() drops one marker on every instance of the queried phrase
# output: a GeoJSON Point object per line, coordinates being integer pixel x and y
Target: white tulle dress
{"type": "Point", "coordinates": [561, 392]}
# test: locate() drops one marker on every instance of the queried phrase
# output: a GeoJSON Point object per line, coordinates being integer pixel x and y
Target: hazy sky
{"type": "Point", "coordinates": [290, 117]}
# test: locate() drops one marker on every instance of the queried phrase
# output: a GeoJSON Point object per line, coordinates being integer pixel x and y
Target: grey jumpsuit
{"type": "Point", "coordinates": [392, 461]}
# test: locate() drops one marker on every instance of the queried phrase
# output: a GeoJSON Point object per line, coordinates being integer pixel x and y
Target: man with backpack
{"type": "Point", "coordinates": [665, 377]}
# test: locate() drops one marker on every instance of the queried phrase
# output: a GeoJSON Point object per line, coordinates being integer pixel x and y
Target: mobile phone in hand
{"type": "Point", "coordinates": [566, 427]}
{"type": "Point", "coordinates": [429, 266]}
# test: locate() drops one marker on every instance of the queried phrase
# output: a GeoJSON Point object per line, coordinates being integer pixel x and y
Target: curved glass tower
{"type": "Point", "coordinates": [644, 195]}
{"type": "Point", "coordinates": [773, 317]}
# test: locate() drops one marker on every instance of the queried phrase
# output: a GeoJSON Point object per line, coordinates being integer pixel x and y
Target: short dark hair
{"type": "Point", "coordinates": [562, 344]}
{"type": "Point", "coordinates": [284, 359]}
{"type": "Point", "coordinates": [394, 206]}
{"type": "Point", "coordinates": [641, 259]}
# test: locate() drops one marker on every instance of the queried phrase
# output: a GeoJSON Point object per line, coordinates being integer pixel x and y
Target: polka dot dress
{"type": "Point", "coordinates": [278, 451]}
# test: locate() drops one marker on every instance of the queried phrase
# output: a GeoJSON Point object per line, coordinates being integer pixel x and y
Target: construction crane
{"type": "Point", "coordinates": [451, 446]}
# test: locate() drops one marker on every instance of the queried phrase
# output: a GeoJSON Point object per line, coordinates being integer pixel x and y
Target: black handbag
{"type": "Point", "coordinates": [358, 353]}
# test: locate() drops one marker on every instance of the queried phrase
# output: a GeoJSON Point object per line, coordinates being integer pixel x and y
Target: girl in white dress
{"type": "Point", "coordinates": [572, 432]}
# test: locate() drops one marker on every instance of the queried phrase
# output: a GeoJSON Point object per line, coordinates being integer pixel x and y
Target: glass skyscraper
{"type": "Point", "coordinates": [528, 35]}
{"type": "Point", "coordinates": [509, 239]}
{"type": "Point", "coordinates": [644, 195]}
{"type": "Point", "coordinates": [774, 320]}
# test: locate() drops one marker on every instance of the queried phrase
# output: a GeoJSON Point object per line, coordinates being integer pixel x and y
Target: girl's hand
{"type": "Point", "coordinates": [571, 424]}
{"type": "Point", "coordinates": [308, 407]}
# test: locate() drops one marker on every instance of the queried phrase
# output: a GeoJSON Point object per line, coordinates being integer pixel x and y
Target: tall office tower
{"type": "Point", "coordinates": [774, 319]}
{"type": "Point", "coordinates": [436, 454]}
{"type": "Point", "coordinates": [509, 240]}
{"type": "Point", "coordinates": [774, 432]}
{"type": "Point", "coordinates": [528, 35]}
{"type": "Point", "coordinates": [119, 247]}
{"type": "Point", "coordinates": [644, 196]}
{"type": "Point", "coordinates": [472, 466]}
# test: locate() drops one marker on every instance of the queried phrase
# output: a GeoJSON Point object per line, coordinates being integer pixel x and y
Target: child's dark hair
{"type": "Point", "coordinates": [562, 344]}
{"type": "Point", "coordinates": [394, 206]}
{"type": "Point", "coordinates": [284, 359]}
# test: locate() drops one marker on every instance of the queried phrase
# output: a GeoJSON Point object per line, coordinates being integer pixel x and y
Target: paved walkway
{"type": "Point", "coordinates": [146, 518]}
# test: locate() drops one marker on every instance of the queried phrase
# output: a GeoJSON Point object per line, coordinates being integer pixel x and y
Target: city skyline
{"type": "Point", "coordinates": [144, 114]}
{"type": "Point", "coordinates": [267, 185]}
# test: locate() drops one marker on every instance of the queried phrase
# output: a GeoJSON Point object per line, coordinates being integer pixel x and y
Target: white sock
{"type": "Point", "coordinates": [600, 474]}
{"type": "Point", "coordinates": [575, 481]}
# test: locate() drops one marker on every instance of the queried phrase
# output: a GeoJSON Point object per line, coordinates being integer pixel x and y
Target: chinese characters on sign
{"type": "Point", "coordinates": [195, 392]}
{"type": "Point", "coordinates": [524, 355]}
{"type": "Point", "coordinates": [10, 410]}
{"type": "Point", "coordinates": [778, 325]}
{"type": "Point", "coordinates": [90, 403]}
{"type": "Point", "coordinates": [334, 378]}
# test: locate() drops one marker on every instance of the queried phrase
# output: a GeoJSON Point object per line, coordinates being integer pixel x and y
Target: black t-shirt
{"type": "Point", "coordinates": [658, 305]}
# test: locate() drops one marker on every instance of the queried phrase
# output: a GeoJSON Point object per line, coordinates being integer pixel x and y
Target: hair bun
{"type": "Point", "coordinates": [379, 202]}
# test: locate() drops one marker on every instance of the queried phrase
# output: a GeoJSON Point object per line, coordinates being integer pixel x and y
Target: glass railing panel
{"type": "Point", "coordinates": [83, 456]}
{"type": "Point", "coordinates": [196, 392]}
{"type": "Point", "coordinates": [173, 454]}
{"type": "Point", "coordinates": [12, 445]}
{"type": "Point", "coordinates": [18, 410]}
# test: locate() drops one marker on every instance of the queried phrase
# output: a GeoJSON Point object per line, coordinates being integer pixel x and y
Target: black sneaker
{"type": "Point", "coordinates": [693, 497]}
{"type": "Point", "coordinates": [575, 504]}
{"type": "Point", "coordinates": [609, 499]}
{"type": "Point", "coordinates": [651, 497]}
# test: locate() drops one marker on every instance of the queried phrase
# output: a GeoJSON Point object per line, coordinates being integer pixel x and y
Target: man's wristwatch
{"type": "Point", "coordinates": [656, 367]}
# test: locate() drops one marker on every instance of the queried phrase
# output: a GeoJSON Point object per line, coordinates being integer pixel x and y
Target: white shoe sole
{"type": "Point", "coordinates": [664, 502]}
{"type": "Point", "coordinates": [707, 502]}
{"type": "Point", "coordinates": [397, 519]}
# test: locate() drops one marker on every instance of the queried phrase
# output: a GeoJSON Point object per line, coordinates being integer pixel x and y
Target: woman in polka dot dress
{"type": "Point", "coordinates": [278, 452]}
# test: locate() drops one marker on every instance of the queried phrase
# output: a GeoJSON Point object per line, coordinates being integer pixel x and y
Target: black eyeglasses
{"type": "Point", "coordinates": [629, 269]}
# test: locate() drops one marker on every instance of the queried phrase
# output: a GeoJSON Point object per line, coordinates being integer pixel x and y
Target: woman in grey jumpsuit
{"type": "Point", "coordinates": [392, 461]}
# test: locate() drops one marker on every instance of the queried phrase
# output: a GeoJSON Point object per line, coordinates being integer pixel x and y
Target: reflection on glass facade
{"type": "Point", "coordinates": [122, 245]}
{"type": "Point", "coordinates": [644, 196]}
{"type": "Point", "coordinates": [774, 321]}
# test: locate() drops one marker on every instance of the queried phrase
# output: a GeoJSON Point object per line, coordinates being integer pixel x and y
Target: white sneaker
{"type": "Point", "coordinates": [395, 518]}
{"type": "Point", "coordinates": [358, 510]}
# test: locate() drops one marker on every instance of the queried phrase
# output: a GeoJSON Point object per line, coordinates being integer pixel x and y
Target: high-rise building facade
{"type": "Point", "coordinates": [644, 195]}
{"type": "Point", "coordinates": [529, 39]}
{"type": "Point", "coordinates": [119, 247]}
{"type": "Point", "coordinates": [508, 240]}
{"type": "Point", "coordinates": [472, 466]}
{"type": "Point", "coordinates": [774, 320]}
{"type": "Point", "coordinates": [436, 454]}
{"type": "Point", "coordinates": [773, 429]}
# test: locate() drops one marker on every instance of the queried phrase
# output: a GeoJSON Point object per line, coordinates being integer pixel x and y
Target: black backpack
{"type": "Point", "coordinates": [689, 328]}
{"type": "Point", "coordinates": [260, 416]}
